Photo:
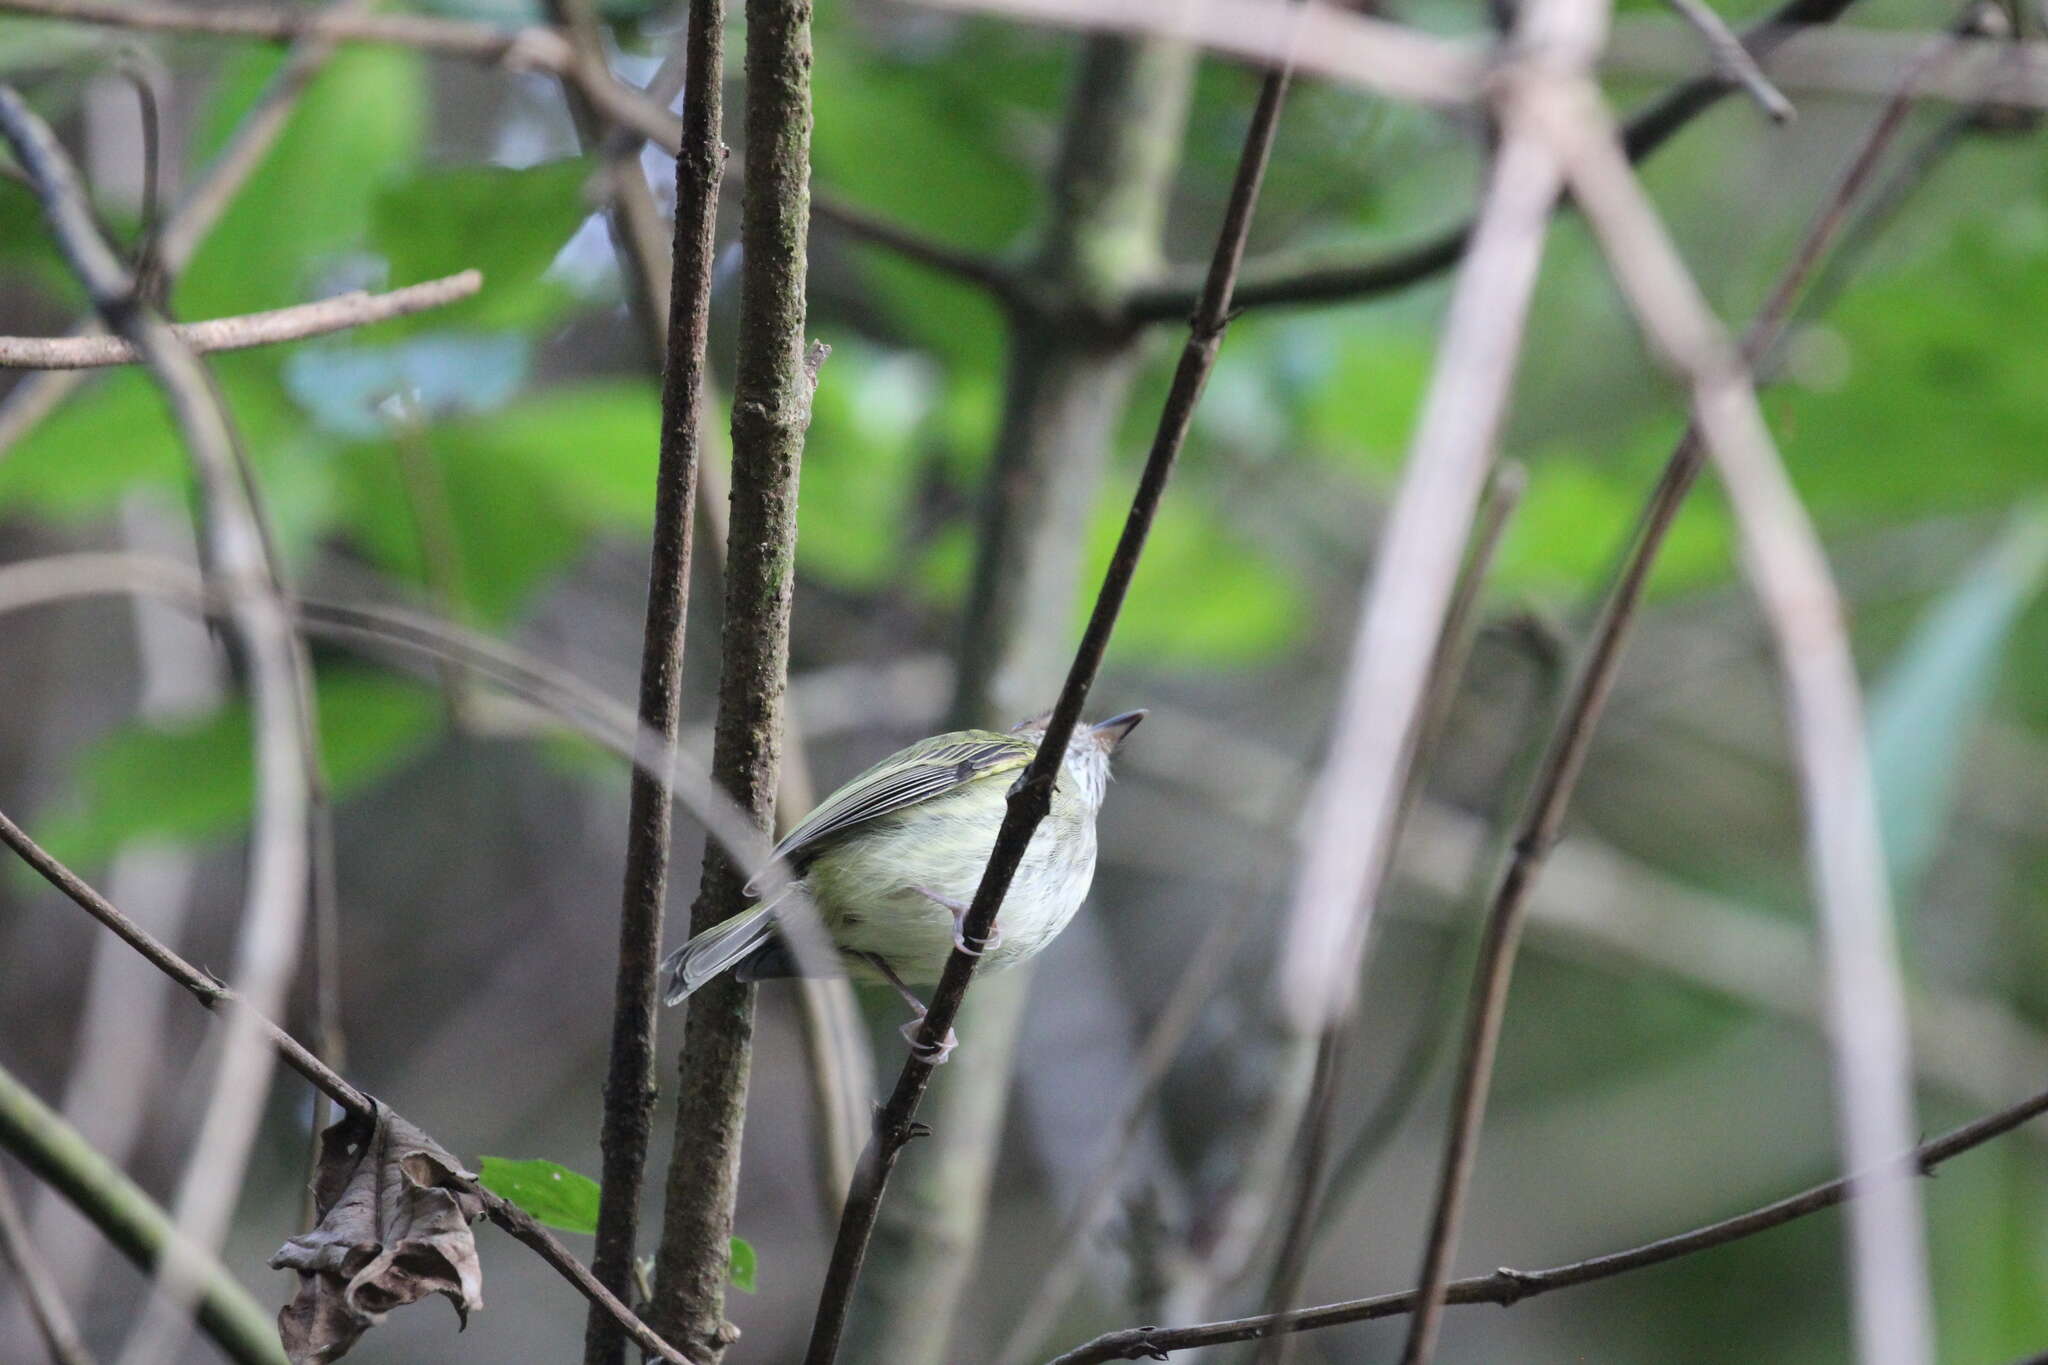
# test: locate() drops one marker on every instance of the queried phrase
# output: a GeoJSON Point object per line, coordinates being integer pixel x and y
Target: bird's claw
{"type": "Point", "coordinates": [935, 1054]}
{"type": "Point", "coordinates": [959, 913]}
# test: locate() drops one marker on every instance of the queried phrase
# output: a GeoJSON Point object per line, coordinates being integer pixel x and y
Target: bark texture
{"type": "Point", "coordinates": [771, 409]}
{"type": "Point", "coordinates": [629, 1087]}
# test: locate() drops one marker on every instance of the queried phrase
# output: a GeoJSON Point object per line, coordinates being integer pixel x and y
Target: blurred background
{"type": "Point", "coordinates": [494, 462]}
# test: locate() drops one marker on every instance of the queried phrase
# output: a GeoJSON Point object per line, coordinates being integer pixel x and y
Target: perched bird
{"type": "Point", "coordinates": [892, 859]}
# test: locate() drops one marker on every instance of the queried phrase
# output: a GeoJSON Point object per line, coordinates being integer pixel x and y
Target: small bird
{"type": "Point", "coordinates": [892, 859]}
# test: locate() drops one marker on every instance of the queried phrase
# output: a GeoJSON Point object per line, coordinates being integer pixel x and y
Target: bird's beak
{"type": "Point", "coordinates": [1112, 732]}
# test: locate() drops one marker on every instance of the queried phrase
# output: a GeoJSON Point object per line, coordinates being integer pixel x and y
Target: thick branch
{"type": "Point", "coordinates": [1032, 795]}
{"type": "Point", "coordinates": [353, 309]}
{"type": "Point", "coordinates": [771, 410]}
{"type": "Point", "coordinates": [132, 1221]}
{"type": "Point", "coordinates": [1507, 1287]}
{"type": "Point", "coordinates": [629, 1091]}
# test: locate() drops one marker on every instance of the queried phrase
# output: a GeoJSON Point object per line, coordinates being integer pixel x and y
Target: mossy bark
{"type": "Point", "coordinates": [771, 409]}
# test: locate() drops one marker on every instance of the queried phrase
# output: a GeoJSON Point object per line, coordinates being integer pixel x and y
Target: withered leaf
{"type": "Point", "coordinates": [395, 1211]}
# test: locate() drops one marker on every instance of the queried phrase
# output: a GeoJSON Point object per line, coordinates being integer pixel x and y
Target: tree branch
{"type": "Point", "coordinates": [37, 395]}
{"type": "Point", "coordinates": [1278, 282]}
{"type": "Point", "coordinates": [238, 560]}
{"type": "Point", "coordinates": [217, 997]}
{"type": "Point", "coordinates": [46, 1309]}
{"type": "Point", "coordinates": [132, 1221]}
{"type": "Point", "coordinates": [629, 1091]}
{"type": "Point", "coordinates": [771, 411]}
{"type": "Point", "coordinates": [338, 313]}
{"type": "Point", "coordinates": [1507, 1287]}
{"type": "Point", "coordinates": [1032, 795]}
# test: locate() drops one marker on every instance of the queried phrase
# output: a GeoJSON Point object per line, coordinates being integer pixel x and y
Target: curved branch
{"type": "Point", "coordinates": [1506, 1287]}
{"type": "Point", "coordinates": [356, 308]}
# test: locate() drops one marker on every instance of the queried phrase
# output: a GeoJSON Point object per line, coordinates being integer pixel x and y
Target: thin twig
{"type": "Point", "coordinates": [1001, 281]}
{"type": "Point", "coordinates": [1031, 797]}
{"type": "Point", "coordinates": [38, 1287]}
{"type": "Point", "coordinates": [1789, 573]}
{"type": "Point", "coordinates": [1440, 690]}
{"type": "Point", "coordinates": [1734, 60]}
{"type": "Point", "coordinates": [1507, 1287]}
{"type": "Point", "coordinates": [238, 560]}
{"type": "Point", "coordinates": [1277, 283]}
{"type": "Point", "coordinates": [1318, 38]}
{"type": "Point", "coordinates": [338, 313]}
{"type": "Point", "coordinates": [55, 1152]}
{"type": "Point", "coordinates": [684, 321]}
{"type": "Point", "coordinates": [37, 395]}
{"type": "Point", "coordinates": [1557, 778]}
{"type": "Point", "coordinates": [220, 998]}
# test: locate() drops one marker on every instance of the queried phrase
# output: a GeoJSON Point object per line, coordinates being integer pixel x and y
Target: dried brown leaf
{"type": "Point", "coordinates": [395, 1212]}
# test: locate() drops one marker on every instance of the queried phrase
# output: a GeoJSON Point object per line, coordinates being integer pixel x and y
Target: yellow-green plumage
{"type": "Point", "coordinates": [882, 857]}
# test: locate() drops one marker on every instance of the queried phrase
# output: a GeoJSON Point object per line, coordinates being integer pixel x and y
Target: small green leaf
{"type": "Point", "coordinates": [1934, 692]}
{"type": "Point", "coordinates": [554, 1195]}
{"type": "Point", "coordinates": [745, 1266]}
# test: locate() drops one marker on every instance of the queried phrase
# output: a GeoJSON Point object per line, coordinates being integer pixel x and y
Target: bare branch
{"type": "Point", "coordinates": [1286, 282]}
{"type": "Point", "coordinates": [338, 313]}
{"type": "Point", "coordinates": [132, 1221]}
{"type": "Point", "coordinates": [1788, 570]}
{"type": "Point", "coordinates": [1031, 797]}
{"type": "Point", "coordinates": [214, 996]}
{"type": "Point", "coordinates": [1507, 1287]}
{"type": "Point", "coordinates": [1733, 59]}
{"type": "Point", "coordinates": [1001, 281]}
{"type": "Point", "coordinates": [45, 1304]}
{"type": "Point", "coordinates": [239, 562]}
{"type": "Point", "coordinates": [37, 395]}
{"type": "Point", "coordinates": [1318, 38]}
{"type": "Point", "coordinates": [683, 319]}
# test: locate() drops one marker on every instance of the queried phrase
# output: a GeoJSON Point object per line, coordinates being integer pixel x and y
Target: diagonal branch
{"type": "Point", "coordinates": [61, 1157]}
{"type": "Point", "coordinates": [1507, 1287]}
{"type": "Point", "coordinates": [46, 1308]}
{"type": "Point", "coordinates": [215, 996]}
{"type": "Point", "coordinates": [1788, 571]}
{"type": "Point", "coordinates": [1031, 797]}
{"type": "Point", "coordinates": [338, 313]}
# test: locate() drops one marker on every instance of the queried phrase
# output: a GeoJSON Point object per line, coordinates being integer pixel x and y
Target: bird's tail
{"type": "Point", "coordinates": [716, 949]}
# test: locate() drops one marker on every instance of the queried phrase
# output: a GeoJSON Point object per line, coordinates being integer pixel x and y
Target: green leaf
{"type": "Point", "coordinates": [1932, 696]}
{"type": "Point", "coordinates": [554, 1195]}
{"type": "Point", "coordinates": [745, 1266]}
{"type": "Point", "coordinates": [527, 487]}
{"type": "Point", "coordinates": [118, 434]}
{"type": "Point", "coordinates": [357, 126]}
{"type": "Point", "coordinates": [195, 783]}
{"type": "Point", "coordinates": [510, 224]}
{"type": "Point", "coordinates": [861, 464]}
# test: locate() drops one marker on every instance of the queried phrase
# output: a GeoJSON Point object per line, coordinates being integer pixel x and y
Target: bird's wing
{"type": "Point", "coordinates": [926, 769]}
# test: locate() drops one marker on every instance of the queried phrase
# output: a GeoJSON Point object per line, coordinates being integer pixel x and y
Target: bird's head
{"type": "Point", "coordinates": [1088, 748]}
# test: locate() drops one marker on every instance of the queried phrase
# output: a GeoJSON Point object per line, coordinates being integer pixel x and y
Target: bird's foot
{"type": "Point", "coordinates": [959, 912]}
{"type": "Point", "coordinates": [936, 1055]}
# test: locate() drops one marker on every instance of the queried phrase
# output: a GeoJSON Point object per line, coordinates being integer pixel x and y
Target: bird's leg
{"type": "Point", "coordinates": [959, 912]}
{"type": "Point", "coordinates": [911, 1031]}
